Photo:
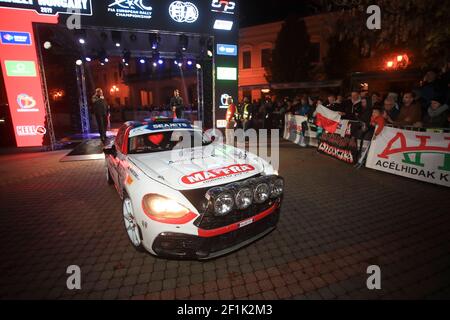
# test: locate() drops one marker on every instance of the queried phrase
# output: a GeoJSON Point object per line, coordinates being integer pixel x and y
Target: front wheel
{"type": "Point", "coordinates": [131, 225]}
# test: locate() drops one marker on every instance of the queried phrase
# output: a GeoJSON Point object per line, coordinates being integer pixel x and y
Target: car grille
{"type": "Point", "coordinates": [209, 221]}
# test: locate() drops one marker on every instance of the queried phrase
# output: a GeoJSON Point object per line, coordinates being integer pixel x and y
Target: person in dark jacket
{"type": "Point", "coordinates": [177, 105]}
{"type": "Point", "coordinates": [438, 114]}
{"type": "Point", "coordinates": [352, 105]}
{"type": "Point", "coordinates": [100, 110]}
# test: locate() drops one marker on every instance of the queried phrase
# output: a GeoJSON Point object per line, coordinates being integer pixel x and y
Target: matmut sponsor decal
{"type": "Point", "coordinates": [204, 176]}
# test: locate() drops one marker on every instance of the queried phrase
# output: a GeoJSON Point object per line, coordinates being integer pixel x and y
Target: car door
{"type": "Point", "coordinates": [122, 160]}
{"type": "Point", "coordinates": [114, 160]}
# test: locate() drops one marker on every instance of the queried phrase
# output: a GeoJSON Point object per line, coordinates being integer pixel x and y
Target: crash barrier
{"type": "Point", "coordinates": [416, 153]}
{"type": "Point", "coordinates": [340, 145]}
{"type": "Point", "coordinates": [412, 152]}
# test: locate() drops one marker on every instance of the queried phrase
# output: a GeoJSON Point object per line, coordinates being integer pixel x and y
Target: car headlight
{"type": "Point", "coordinates": [277, 188]}
{"type": "Point", "coordinates": [224, 203]}
{"type": "Point", "coordinates": [244, 198]}
{"type": "Point", "coordinates": [261, 193]}
{"type": "Point", "coordinates": [164, 209]}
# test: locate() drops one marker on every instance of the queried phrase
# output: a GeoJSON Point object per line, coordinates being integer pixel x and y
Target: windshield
{"type": "Point", "coordinates": [166, 141]}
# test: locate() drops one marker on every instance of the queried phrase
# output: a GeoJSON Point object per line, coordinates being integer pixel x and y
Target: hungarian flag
{"type": "Point", "coordinates": [327, 119]}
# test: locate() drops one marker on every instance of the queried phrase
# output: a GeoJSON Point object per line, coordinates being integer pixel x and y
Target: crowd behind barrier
{"type": "Point", "coordinates": [346, 126]}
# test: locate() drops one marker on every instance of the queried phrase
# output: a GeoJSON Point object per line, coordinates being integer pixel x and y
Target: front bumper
{"type": "Point", "coordinates": [184, 246]}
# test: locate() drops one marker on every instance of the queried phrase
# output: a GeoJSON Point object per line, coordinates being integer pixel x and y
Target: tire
{"type": "Point", "coordinates": [108, 177]}
{"type": "Point", "coordinates": [131, 226]}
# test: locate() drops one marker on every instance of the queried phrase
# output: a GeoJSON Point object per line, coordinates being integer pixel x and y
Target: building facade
{"type": "Point", "coordinates": [255, 49]}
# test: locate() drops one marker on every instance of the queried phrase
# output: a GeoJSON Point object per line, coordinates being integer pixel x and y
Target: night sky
{"type": "Point", "coordinates": [264, 11]}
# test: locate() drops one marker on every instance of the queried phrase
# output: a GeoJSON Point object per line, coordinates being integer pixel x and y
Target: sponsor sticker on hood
{"type": "Point", "coordinates": [214, 174]}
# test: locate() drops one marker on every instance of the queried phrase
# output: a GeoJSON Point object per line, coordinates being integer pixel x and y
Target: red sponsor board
{"type": "Point", "coordinates": [203, 176]}
{"type": "Point", "coordinates": [22, 78]}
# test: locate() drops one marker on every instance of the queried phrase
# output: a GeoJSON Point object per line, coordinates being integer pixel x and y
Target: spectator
{"type": "Point", "coordinates": [391, 108]}
{"type": "Point", "coordinates": [339, 105]}
{"type": "Point", "coordinates": [377, 122]}
{"type": "Point", "coordinates": [431, 86]}
{"type": "Point", "coordinates": [331, 100]}
{"type": "Point", "coordinates": [410, 112]}
{"type": "Point", "coordinates": [437, 114]}
{"type": "Point", "coordinates": [353, 104]}
{"type": "Point", "coordinates": [364, 113]}
{"type": "Point", "coordinates": [376, 126]}
{"type": "Point", "coordinates": [377, 100]}
{"type": "Point", "coordinates": [304, 107]}
{"type": "Point", "coordinates": [245, 113]}
{"type": "Point", "coordinates": [264, 110]}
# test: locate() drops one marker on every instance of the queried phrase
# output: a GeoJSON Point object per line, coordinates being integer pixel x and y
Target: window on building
{"type": "Point", "coordinates": [247, 59]}
{"type": "Point", "coordinates": [315, 52]}
{"type": "Point", "coordinates": [266, 57]}
{"type": "Point", "coordinates": [146, 98]}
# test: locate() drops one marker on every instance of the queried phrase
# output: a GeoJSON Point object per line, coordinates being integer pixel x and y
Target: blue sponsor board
{"type": "Point", "coordinates": [226, 49]}
{"type": "Point", "coordinates": [15, 38]}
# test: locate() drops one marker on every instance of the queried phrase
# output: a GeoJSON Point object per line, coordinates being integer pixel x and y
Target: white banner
{"type": "Point", "coordinates": [293, 127]}
{"type": "Point", "coordinates": [423, 156]}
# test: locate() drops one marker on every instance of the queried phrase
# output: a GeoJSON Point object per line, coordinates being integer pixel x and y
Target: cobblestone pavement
{"type": "Point", "coordinates": [335, 222]}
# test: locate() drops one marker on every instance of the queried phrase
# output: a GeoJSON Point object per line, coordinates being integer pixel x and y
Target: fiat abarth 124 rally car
{"type": "Point", "coordinates": [214, 200]}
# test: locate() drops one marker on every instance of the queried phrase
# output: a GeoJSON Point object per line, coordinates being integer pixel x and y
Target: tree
{"type": "Point", "coordinates": [421, 27]}
{"type": "Point", "coordinates": [343, 56]}
{"type": "Point", "coordinates": [291, 57]}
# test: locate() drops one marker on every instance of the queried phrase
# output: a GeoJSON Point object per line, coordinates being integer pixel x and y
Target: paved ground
{"type": "Point", "coordinates": [335, 222]}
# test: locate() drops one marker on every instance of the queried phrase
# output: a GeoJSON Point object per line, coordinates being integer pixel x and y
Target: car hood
{"type": "Point", "coordinates": [199, 167]}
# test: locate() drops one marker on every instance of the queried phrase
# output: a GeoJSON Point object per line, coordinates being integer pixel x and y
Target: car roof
{"type": "Point", "coordinates": [159, 124]}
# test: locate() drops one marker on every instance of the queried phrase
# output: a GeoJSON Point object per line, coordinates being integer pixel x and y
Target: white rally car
{"type": "Point", "coordinates": [190, 203]}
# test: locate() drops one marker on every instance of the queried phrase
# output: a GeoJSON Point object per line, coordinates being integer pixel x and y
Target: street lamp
{"type": "Point", "coordinates": [114, 89]}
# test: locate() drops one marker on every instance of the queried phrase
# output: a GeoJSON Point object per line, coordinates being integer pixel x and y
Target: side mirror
{"type": "Point", "coordinates": [110, 151]}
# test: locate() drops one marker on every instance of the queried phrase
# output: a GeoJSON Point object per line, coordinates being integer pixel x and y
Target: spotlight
{"type": "Point", "coordinates": [102, 64]}
{"type": "Point", "coordinates": [160, 61]}
{"type": "Point", "coordinates": [47, 45]}
{"type": "Point", "coordinates": [88, 59]}
{"type": "Point", "coordinates": [116, 37]}
{"type": "Point", "coordinates": [180, 64]}
{"type": "Point", "coordinates": [155, 64]}
{"type": "Point", "coordinates": [80, 34]}
{"type": "Point", "coordinates": [78, 62]}
{"type": "Point", "coordinates": [176, 62]}
{"type": "Point", "coordinates": [189, 62]}
{"type": "Point", "coordinates": [102, 56]}
{"type": "Point", "coordinates": [154, 40]}
{"type": "Point", "coordinates": [126, 57]}
{"type": "Point", "coordinates": [210, 54]}
{"type": "Point", "coordinates": [142, 61]}
{"type": "Point", "coordinates": [184, 42]}
{"type": "Point", "coordinates": [198, 66]}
